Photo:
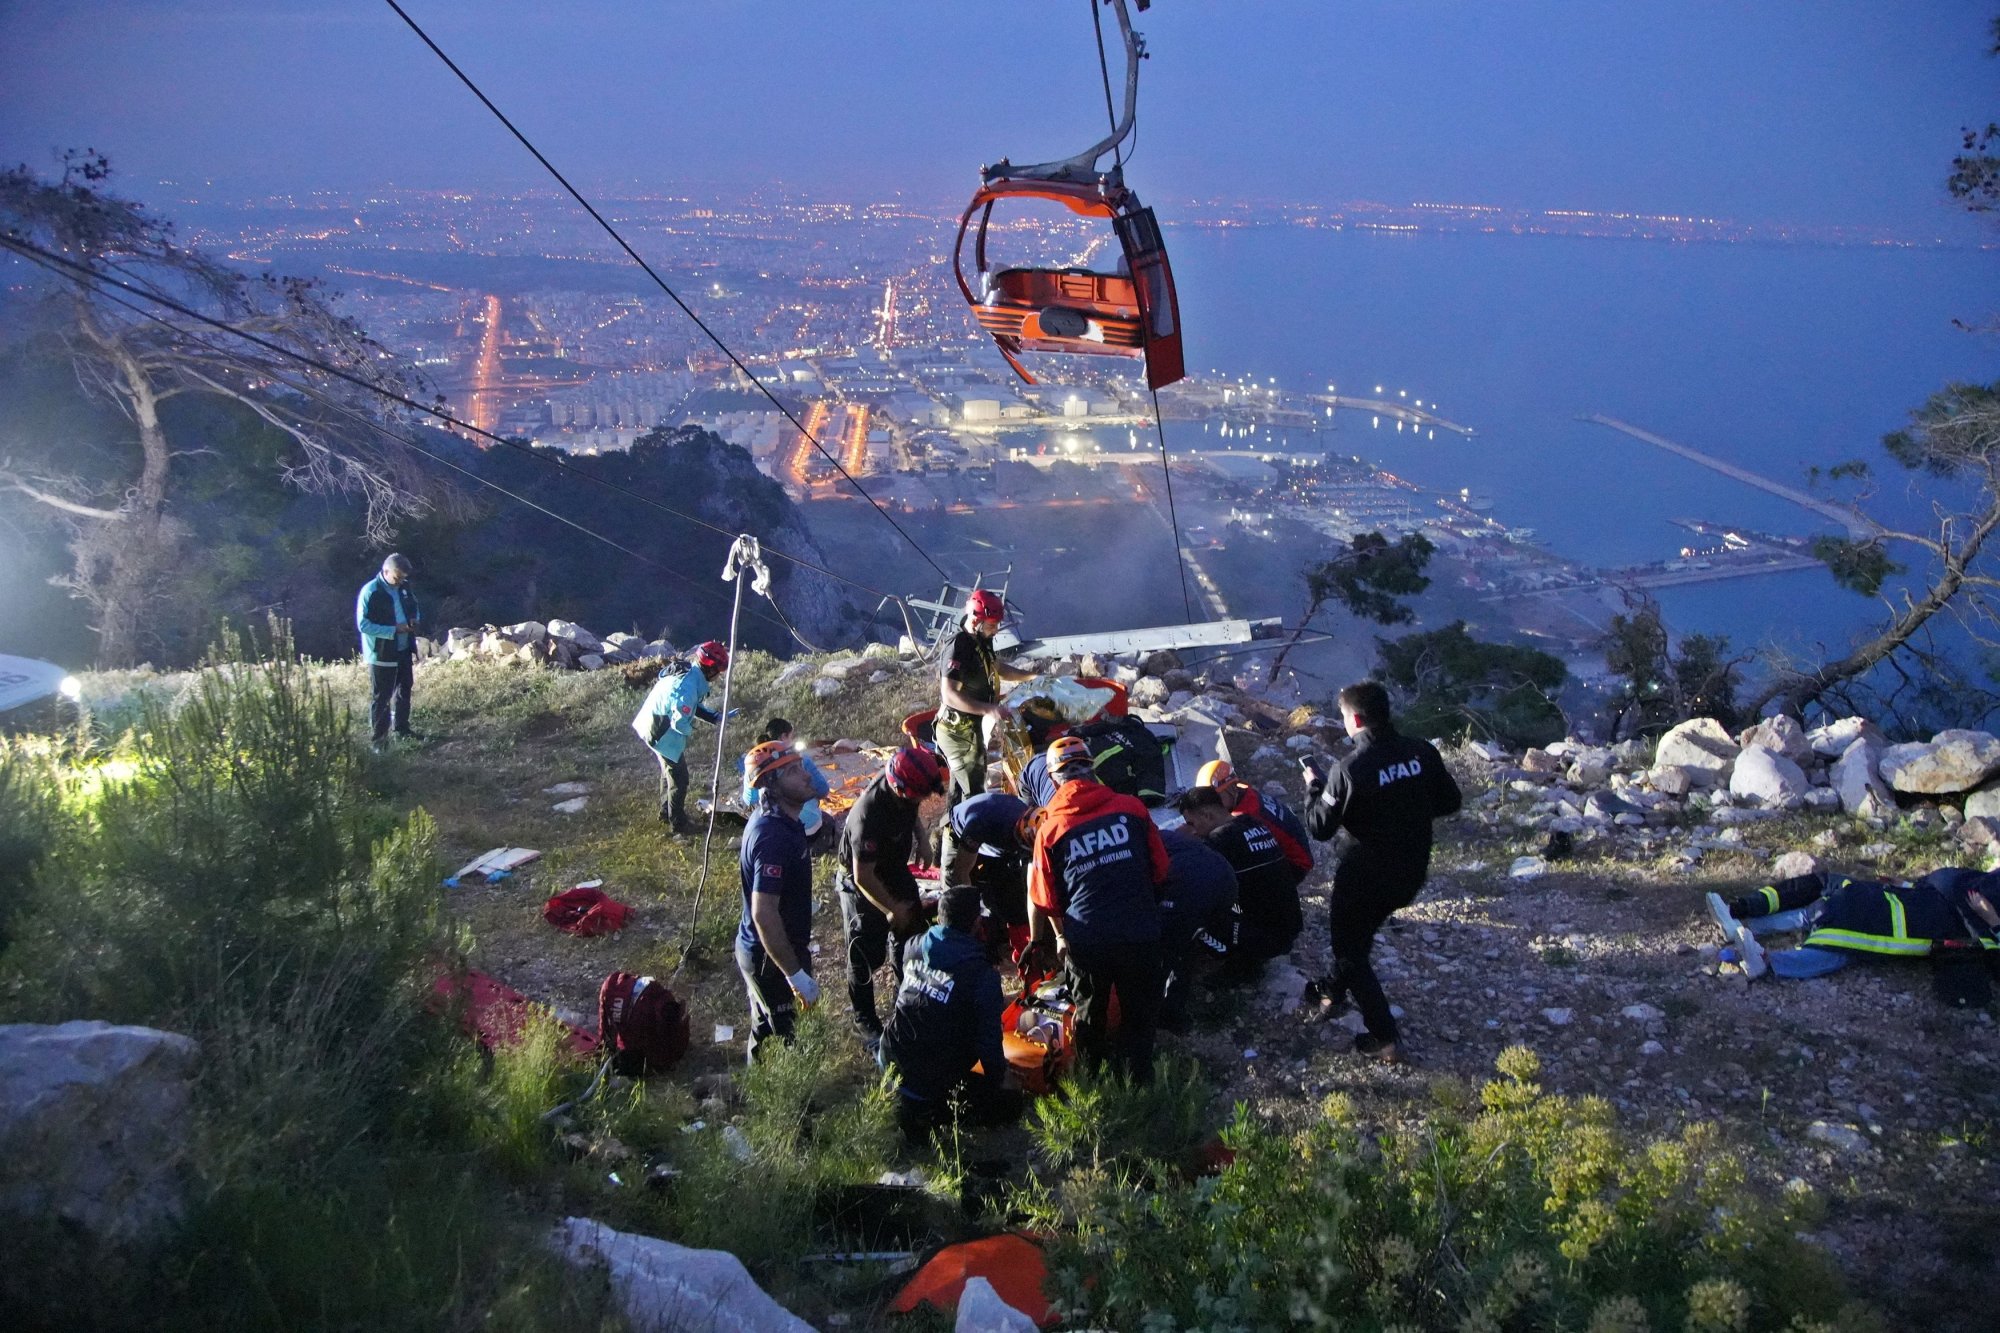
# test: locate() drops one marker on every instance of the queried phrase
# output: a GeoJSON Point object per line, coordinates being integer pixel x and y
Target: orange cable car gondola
{"type": "Point", "coordinates": [1128, 312]}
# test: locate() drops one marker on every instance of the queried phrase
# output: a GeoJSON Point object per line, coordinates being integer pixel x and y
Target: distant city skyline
{"type": "Point", "coordinates": [1786, 112]}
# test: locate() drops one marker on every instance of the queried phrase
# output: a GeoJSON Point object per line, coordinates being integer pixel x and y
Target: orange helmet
{"type": "Point", "coordinates": [1067, 753]}
{"type": "Point", "coordinates": [1215, 773]}
{"type": "Point", "coordinates": [766, 759]}
{"type": "Point", "coordinates": [1029, 824]}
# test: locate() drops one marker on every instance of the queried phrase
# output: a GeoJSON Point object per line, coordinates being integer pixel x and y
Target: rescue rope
{"type": "Point", "coordinates": [661, 283]}
{"type": "Point", "coordinates": [744, 556]}
{"type": "Point", "coordinates": [1173, 516]}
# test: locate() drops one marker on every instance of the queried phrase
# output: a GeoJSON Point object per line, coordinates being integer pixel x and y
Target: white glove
{"type": "Point", "coordinates": [804, 987]}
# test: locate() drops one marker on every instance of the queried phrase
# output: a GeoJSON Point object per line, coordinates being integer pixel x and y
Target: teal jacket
{"type": "Point", "coordinates": [666, 720]}
{"type": "Point", "coordinates": [376, 611]}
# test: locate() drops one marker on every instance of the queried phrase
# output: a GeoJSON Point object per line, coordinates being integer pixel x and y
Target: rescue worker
{"type": "Point", "coordinates": [878, 893]}
{"type": "Point", "coordinates": [1386, 794]}
{"type": "Point", "coordinates": [1268, 916]}
{"type": "Point", "coordinates": [1035, 786]}
{"type": "Point", "coordinates": [387, 615]}
{"type": "Point", "coordinates": [994, 833]}
{"type": "Point", "coordinates": [969, 697]}
{"type": "Point", "coordinates": [773, 937]}
{"type": "Point", "coordinates": [1243, 799]}
{"type": "Point", "coordinates": [810, 816]}
{"type": "Point", "coordinates": [1946, 913]}
{"type": "Point", "coordinates": [947, 1020]}
{"type": "Point", "coordinates": [1197, 919]}
{"type": "Point", "coordinates": [1094, 886]}
{"type": "Point", "coordinates": [666, 723]}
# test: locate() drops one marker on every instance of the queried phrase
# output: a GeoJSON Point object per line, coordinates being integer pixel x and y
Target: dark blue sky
{"type": "Point", "coordinates": [1818, 111]}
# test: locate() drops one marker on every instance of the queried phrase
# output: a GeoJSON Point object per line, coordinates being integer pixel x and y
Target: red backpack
{"type": "Point", "coordinates": [641, 1025]}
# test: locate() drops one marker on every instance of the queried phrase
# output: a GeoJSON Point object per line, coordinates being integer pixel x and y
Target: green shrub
{"type": "Point", "coordinates": [1524, 1211]}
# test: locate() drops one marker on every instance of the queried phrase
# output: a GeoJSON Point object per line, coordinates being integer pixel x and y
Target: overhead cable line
{"type": "Point", "coordinates": [37, 255]}
{"type": "Point", "coordinates": [1104, 68]}
{"type": "Point", "coordinates": [672, 295]}
{"type": "Point", "coordinates": [30, 250]}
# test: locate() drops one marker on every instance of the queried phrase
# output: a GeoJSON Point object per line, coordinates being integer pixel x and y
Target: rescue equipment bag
{"type": "Point", "coordinates": [1128, 757]}
{"type": "Point", "coordinates": [641, 1025]}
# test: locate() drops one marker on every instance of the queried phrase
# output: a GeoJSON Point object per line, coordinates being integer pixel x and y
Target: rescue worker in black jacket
{"type": "Point", "coordinates": [947, 1019]}
{"type": "Point", "coordinates": [1385, 794]}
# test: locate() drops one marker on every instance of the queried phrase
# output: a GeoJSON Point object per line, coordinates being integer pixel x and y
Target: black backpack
{"type": "Point", "coordinates": [1128, 757]}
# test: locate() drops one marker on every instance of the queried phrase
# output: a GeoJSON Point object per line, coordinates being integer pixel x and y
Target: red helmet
{"type": "Point", "coordinates": [985, 604]}
{"type": "Point", "coordinates": [1067, 753]}
{"type": "Point", "coordinates": [712, 656]}
{"type": "Point", "coordinates": [914, 773]}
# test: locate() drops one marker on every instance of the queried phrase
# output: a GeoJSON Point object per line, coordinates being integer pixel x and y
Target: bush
{"type": "Point", "coordinates": [1523, 1211]}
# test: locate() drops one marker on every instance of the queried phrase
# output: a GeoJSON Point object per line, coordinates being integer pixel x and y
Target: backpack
{"type": "Point", "coordinates": [641, 1025]}
{"type": "Point", "coordinates": [1128, 757]}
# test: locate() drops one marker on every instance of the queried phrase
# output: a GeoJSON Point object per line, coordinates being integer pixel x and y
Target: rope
{"type": "Point", "coordinates": [29, 250]}
{"type": "Point", "coordinates": [743, 555]}
{"type": "Point", "coordinates": [661, 283]}
{"type": "Point", "coordinates": [1104, 69]}
{"type": "Point", "coordinates": [1173, 515]}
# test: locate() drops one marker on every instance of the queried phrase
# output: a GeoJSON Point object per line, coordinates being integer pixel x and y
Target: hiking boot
{"type": "Point", "coordinates": [1375, 1048]}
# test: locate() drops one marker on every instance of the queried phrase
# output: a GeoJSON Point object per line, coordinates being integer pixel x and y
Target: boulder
{"type": "Point", "coordinates": [1147, 692]}
{"type": "Point", "coordinates": [1979, 831]}
{"type": "Point", "coordinates": [1984, 802]}
{"type": "Point", "coordinates": [1671, 780]}
{"type": "Point", "coordinates": [839, 667]}
{"type": "Point", "coordinates": [461, 639]}
{"type": "Point", "coordinates": [1794, 864]}
{"type": "Point", "coordinates": [590, 662]}
{"type": "Point", "coordinates": [1603, 805]}
{"type": "Point", "coordinates": [1950, 761]}
{"type": "Point", "coordinates": [1159, 662]}
{"type": "Point", "coordinates": [94, 1126]}
{"type": "Point", "coordinates": [1535, 760]}
{"type": "Point", "coordinates": [1831, 741]}
{"type": "Point", "coordinates": [1699, 745]}
{"type": "Point", "coordinates": [1781, 734]}
{"type": "Point", "coordinates": [1178, 682]}
{"type": "Point", "coordinates": [879, 652]}
{"type": "Point", "coordinates": [1591, 765]}
{"type": "Point", "coordinates": [1769, 778]}
{"type": "Point", "coordinates": [1632, 753]}
{"type": "Point", "coordinates": [1853, 778]}
{"type": "Point", "coordinates": [794, 671]}
{"type": "Point", "coordinates": [528, 631]}
{"type": "Point", "coordinates": [576, 634]}
{"type": "Point", "coordinates": [826, 687]}
{"type": "Point", "coordinates": [980, 1310]}
{"type": "Point", "coordinates": [666, 1288]}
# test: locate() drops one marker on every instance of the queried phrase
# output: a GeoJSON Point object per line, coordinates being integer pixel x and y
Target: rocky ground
{"type": "Point", "coordinates": [1604, 961]}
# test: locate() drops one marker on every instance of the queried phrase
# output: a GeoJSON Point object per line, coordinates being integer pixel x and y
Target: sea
{"type": "Point", "coordinates": [1778, 358]}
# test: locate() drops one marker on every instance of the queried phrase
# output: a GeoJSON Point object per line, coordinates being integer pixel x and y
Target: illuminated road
{"type": "Point", "coordinates": [483, 407]}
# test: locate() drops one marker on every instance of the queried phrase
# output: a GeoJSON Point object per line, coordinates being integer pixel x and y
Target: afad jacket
{"type": "Point", "coordinates": [947, 1016]}
{"type": "Point", "coordinates": [1099, 863]}
{"type": "Point", "coordinates": [375, 616]}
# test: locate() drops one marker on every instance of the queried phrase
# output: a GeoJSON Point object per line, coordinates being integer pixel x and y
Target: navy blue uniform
{"type": "Point", "coordinates": [1197, 914]}
{"type": "Point", "coordinates": [947, 1018]}
{"type": "Point", "coordinates": [991, 820]}
{"type": "Point", "coordinates": [1386, 794]}
{"type": "Point", "coordinates": [1036, 787]}
{"type": "Point", "coordinates": [1267, 889]}
{"type": "Point", "coordinates": [774, 860]}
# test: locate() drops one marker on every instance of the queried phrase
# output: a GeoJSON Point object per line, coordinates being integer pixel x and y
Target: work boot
{"type": "Point", "coordinates": [1376, 1048]}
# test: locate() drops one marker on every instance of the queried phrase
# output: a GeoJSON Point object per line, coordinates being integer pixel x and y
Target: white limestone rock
{"type": "Point", "coordinates": [1794, 864]}
{"type": "Point", "coordinates": [825, 687]}
{"type": "Point", "coordinates": [1854, 779]}
{"type": "Point", "coordinates": [94, 1125]}
{"type": "Point", "coordinates": [1769, 778]}
{"type": "Point", "coordinates": [528, 631]}
{"type": "Point", "coordinates": [1701, 746]}
{"type": "Point", "coordinates": [1983, 803]}
{"type": "Point", "coordinates": [1783, 734]}
{"type": "Point", "coordinates": [571, 632]}
{"type": "Point", "coordinates": [662, 1287]}
{"type": "Point", "coordinates": [590, 662]}
{"type": "Point", "coordinates": [1950, 761]}
{"type": "Point", "coordinates": [792, 672]}
{"type": "Point", "coordinates": [1147, 692]}
{"type": "Point", "coordinates": [1831, 741]}
{"type": "Point", "coordinates": [1671, 779]}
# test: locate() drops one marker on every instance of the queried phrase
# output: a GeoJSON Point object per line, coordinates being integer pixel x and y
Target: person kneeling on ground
{"type": "Point", "coordinates": [1267, 879]}
{"type": "Point", "coordinates": [1198, 919]}
{"type": "Point", "coordinates": [1948, 916]}
{"type": "Point", "coordinates": [1094, 886]}
{"type": "Point", "coordinates": [994, 834]}
{"type": "Point", "coordinates": [1243, 799]}
{"type": "Point", "coordinates": [774, 934]}
{"type": "Point", "coordinates": [946, 1020]}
